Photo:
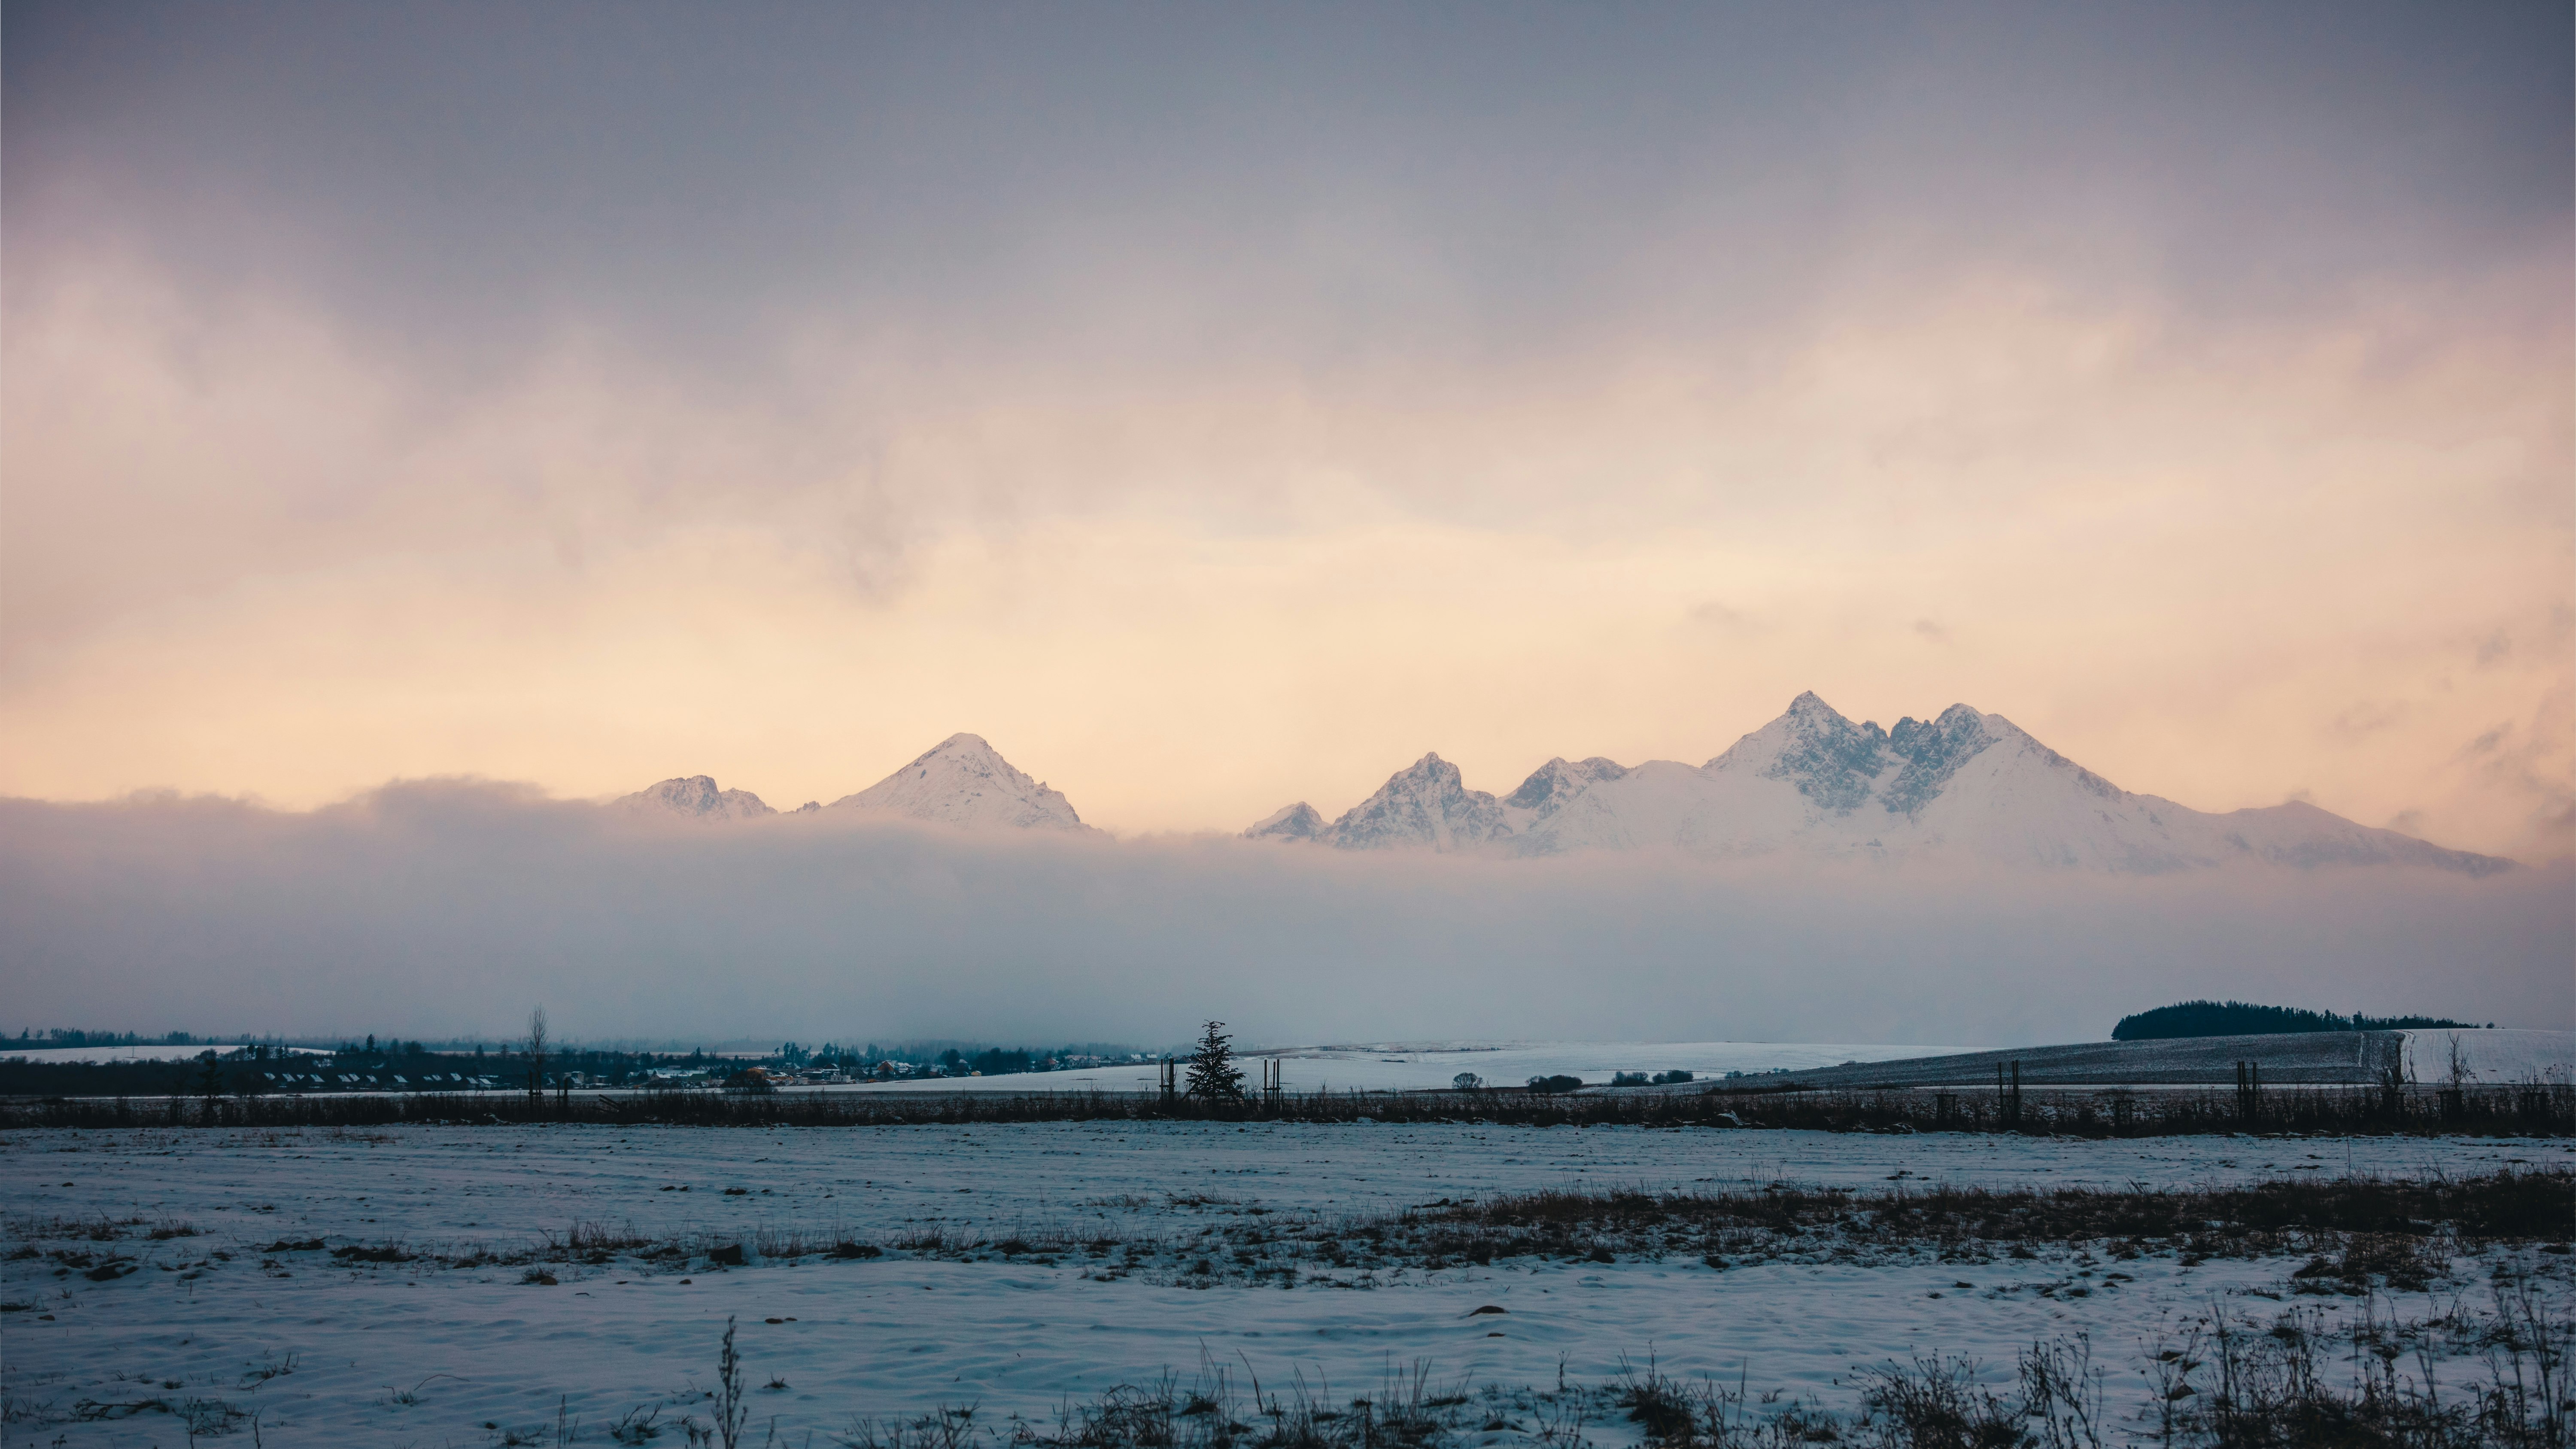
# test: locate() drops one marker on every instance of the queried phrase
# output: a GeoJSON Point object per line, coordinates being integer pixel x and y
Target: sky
{"type": "Point", "coordinates": [1217, 407]}
{"type": "Point", "coordinates": [1222, 408]}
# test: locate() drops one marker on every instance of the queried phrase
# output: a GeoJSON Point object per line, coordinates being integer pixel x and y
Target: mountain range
{"type": "Point", "coordinates": [959, 781]}
{"type": "Point", "coordinates": [1962, 785]}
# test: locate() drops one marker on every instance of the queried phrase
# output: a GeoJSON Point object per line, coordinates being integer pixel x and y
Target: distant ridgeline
{"type": "Point", "coordinates": [2237, 1018]}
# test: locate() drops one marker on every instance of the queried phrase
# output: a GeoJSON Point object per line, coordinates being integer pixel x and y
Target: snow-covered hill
{"type": "Point", "coordinates": [964, 781]}
{"type": "Point", "coordinates": [1963, 785]}
{"type": "Point", "coordinates": [695, 797]}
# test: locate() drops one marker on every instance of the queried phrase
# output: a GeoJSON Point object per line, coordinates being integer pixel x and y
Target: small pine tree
{"type": "Point", "coordinates": [1213, 1074]}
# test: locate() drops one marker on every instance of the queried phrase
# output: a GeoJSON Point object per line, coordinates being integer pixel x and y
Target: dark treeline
{"type": "Point", "coordinates": [2241, 1018]}
{"type": "Point", "coordinates": [2517, 1110]}
{"type": "Point", "coordinates": [397, 1065]}
{"type": "Point", "coordinates": [392, 1066]}
{"type": "Point", "coordinates": [54, 1037]}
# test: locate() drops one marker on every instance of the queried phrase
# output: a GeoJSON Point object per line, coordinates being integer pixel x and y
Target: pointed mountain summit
{"type": "Point", "coordinates": [964, 781]}
{"type": "Point", "coordinates": [1963, 785]}
{"type": "Point", "coordinates": [695, 797]}
{"type": "Point", "coordinates": [1300, 821]}
{"type": "Point", "coordinates": [1423, 806]}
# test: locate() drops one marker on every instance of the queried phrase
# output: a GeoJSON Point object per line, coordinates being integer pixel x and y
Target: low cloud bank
{"type": "Point", "coordinates": [451, 907]}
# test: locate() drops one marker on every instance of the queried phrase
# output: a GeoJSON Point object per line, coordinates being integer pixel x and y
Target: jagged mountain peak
{"type": "Point", "coordinates": [1817, 749]}
{"type": "Point", "coordinates": [963, 780]}
{"type": "Point", "coordinates": [695, 797]}
{"type": "Point", "coordinates": [1425, 805]}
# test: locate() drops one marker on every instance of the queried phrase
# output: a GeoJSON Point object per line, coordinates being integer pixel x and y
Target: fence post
{"type": "Point", "coordinates": [2249, 1091]}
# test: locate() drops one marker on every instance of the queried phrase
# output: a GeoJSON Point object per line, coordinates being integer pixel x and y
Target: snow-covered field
{"type": "Point", "coordinates": [2494, 1056]}
{"type": "Point", "coordinates": [1417, 1066]}
{"type": "Point", "coordinates": [410, 1352]}
{"type": "Point", "coordinates": [151, 1052]}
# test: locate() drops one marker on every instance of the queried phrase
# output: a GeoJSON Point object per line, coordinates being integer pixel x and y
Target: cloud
{"type": "Point", "coordinates": [439, 907]}
{"type": "Point", "coordinates": [2487, 742]}
{"type": "Point", "coordinates": [2366, 718]}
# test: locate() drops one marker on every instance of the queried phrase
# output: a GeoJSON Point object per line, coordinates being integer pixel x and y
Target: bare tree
{"type": "Point", "coordinates": [537, 1053]}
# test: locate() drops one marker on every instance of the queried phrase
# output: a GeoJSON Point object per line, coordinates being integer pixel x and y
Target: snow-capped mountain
{"type": "Point", "coordinates": [695, 797]}
{"type": "Point", "coordinates": [1422, 805]}
{"type": "Point", "coordinates": [964, 781]}
{"type": "Point", "coordinates": [1962, 785]}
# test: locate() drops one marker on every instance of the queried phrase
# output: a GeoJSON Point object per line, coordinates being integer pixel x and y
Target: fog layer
{"type": "Point", "coordinates": [451, 908]}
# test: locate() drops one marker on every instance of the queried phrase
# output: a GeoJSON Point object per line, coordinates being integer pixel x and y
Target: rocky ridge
{"type": "Point", "coordinates": [696, 797]}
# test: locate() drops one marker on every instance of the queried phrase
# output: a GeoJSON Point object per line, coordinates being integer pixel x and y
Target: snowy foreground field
{"type": "Point", "coordinates": [502, 1285]}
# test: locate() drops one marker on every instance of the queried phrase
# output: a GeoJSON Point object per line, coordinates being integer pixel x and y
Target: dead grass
{"type": "Point", "coordinates": [2522, 1109]}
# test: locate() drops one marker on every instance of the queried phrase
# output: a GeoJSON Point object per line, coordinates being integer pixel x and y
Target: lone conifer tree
{"type": "Point", "coordinates": [1213, 1074]}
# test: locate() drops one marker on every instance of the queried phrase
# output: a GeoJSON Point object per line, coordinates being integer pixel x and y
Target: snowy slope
{"type": "Point", "coordinates": [2492, 1057]}
{"type": "Point", "coordinates": [1965, 785]}
{"type": "Point", "coordinates": [695, 797]}
{"type": "Point", "coordinates": [964, 781]}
